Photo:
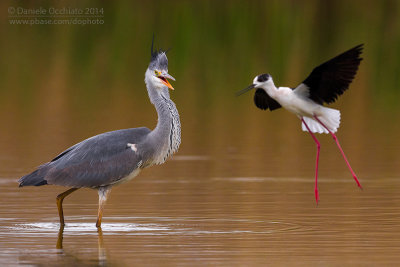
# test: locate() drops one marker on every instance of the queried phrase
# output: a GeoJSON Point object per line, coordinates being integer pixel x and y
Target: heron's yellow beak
{"type": "Point", "coordinates": [166, 82]}
{"type": "Point", "coordinates": [163, 77]}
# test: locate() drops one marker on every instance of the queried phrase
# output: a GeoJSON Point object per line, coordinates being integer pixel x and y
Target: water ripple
{"type": "Point", "coordinates": [159, 226]}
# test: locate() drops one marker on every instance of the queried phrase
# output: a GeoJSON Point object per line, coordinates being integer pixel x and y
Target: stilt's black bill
{"type": "Point", "coordinates": [241, 92]}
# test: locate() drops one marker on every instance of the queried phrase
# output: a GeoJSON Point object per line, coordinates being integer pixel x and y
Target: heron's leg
{"type": "Point", "coordinates": [60, 199]}
{"type": "Point", "coordinates": [103, 195]}
{"type": "Point", "coordinates": [317, 160]}
{"type": "Point", "coordinates": [341, 151]}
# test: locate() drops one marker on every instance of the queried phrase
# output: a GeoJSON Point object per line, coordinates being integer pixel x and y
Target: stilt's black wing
{"type": "Point", "coordinates": [264, 101]}
{"type": "Point", "coordinates": [330, 79]}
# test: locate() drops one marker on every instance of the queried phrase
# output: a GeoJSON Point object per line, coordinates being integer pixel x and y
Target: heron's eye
{"type": "Point", "coordinates": [156, 73]}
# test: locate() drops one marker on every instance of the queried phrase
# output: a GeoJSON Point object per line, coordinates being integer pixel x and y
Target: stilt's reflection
{"type": "Point", "coordinates": [102, 255]}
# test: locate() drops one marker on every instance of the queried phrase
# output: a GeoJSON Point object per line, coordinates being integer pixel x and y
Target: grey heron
{"type": "Point", "coordinates": [325, 83]}
{"type": "Point", "coordinates": [111, 158]}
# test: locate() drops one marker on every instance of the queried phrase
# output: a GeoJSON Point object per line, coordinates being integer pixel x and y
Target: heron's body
{"type": "Point", "coordinates": [325, 83]}
{"type": "Point", "coordinates": [111, 158]}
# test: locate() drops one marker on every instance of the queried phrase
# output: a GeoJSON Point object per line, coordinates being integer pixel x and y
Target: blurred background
{"type": "Point", "coordinates": [60, 84]}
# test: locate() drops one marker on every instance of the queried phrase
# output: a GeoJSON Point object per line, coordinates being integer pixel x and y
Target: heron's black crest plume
{"type": "Point", "coordinates": [153, 54]}
{"type": "Point", "coordinates": [158, 58]}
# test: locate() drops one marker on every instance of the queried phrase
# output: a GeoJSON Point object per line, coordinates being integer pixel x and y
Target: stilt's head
{"type": "Point", "coordinates": [263, 81]}
{"type": "Point", "coordinates": [260, 81]}
{"type": "Point", "coordinates": [262, 78]}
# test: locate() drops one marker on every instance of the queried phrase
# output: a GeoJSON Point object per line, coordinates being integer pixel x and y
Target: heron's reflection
{"type": "Point", "coordinates": [59, 244]}
{"type": "Point", "coordinates": [102, 255]}
{"type": "Point", "coordinates": [100, 243]}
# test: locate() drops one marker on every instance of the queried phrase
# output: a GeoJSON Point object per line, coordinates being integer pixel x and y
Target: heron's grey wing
{"type": "Point", "coordinates": [330, 79]}
{"type": "Point", "coordinates": [65, 152]}
{"type": "Point", "coordinates": [100, 160]}
{"type": "Point", "coordinates": [264, 101]}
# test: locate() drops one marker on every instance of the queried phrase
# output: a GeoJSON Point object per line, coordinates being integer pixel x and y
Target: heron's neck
{"type": "Point", "coordinates": [166, 137]}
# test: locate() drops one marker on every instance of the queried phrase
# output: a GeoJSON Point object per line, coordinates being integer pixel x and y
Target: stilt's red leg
{"type": "Point", "coordinates": [316, 164]}
{"type": "Point", "coordinates": [341, 151]}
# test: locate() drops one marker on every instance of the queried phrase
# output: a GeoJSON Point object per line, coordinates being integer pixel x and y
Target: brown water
{"type": "Point", "coordinates": [233, 196]}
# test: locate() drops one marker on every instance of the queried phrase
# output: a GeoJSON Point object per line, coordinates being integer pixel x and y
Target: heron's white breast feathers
{"type": "Point", "coordinates": [171, 132]}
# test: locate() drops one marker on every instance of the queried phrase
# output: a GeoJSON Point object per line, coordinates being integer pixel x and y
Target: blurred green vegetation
{"type": "Point", "coordinates": [217, 47]}
{"type": "Point", "coordinates": [69, 77]}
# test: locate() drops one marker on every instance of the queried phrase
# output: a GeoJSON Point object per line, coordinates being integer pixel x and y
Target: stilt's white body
{"type": "Point", "coordinates": [297, 102]}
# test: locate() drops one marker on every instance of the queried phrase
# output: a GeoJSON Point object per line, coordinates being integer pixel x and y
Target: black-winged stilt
{"type": "Point", "coordinates": [325, 83]}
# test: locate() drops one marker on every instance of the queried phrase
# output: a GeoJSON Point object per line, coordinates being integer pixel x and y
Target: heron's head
{"type": "Point", "coordinates": [259, 81]}
{"type": "Point", "coordinates": [157, 72]}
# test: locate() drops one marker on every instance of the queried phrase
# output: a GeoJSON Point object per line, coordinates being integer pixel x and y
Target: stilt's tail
{"type": "Point", "coordinates": [35, 178]}
{"type": "Point", "coordinates": [330, 118]}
